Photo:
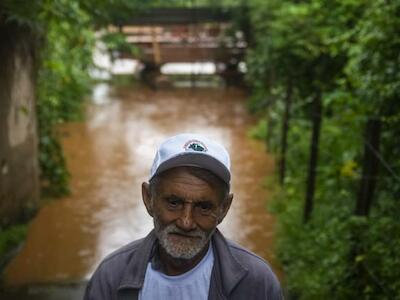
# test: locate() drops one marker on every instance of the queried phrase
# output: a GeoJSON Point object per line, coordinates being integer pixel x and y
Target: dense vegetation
{"type": "Point", "coordinates": [67, 30]}
{"type": "Point", "coordinates": [325, 77]}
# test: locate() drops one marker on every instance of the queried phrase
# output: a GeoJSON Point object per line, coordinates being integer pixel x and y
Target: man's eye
{"type": "Point", "coordinates": [174, 203]}
{"type": "Point", "coordinates": [204, 207]}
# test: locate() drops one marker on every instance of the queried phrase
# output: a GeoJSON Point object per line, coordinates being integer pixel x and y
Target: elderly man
{"type": "Point", "coordinates": [185, 257]}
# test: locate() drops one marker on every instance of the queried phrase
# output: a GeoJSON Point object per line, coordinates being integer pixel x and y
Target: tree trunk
{"type": "Point", "coordinates": [360, 277]}
{"type": "Point", "coordinates": [369, 168]}
{"type": "Point", "coordinates": [316, 118]}
{"type": "Point", "coordinates": [268, 135]}
{"type": "Point", "coordinates": [285, 129]}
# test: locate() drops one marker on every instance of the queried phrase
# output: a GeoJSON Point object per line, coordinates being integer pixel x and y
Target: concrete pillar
{"type": "Point", "coordinates": [19, 171]}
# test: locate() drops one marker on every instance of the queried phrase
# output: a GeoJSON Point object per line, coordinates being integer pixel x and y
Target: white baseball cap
{"type": "Point", "coordinates": [192, 150]}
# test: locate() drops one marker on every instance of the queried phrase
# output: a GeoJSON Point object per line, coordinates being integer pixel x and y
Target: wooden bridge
{"type": "Point", "coordinates": [166, 35]}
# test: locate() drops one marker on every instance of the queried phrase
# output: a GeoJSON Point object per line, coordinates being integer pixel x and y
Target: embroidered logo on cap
{"type": "Point", "coordinates": [195, 145]}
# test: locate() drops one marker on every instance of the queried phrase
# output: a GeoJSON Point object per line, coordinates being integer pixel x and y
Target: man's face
{"type": "Point", "coordinates": [186, 210]}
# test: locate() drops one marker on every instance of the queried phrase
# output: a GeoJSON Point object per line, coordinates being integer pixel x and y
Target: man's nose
{"type": "Point", "coordinates": [186, 221]}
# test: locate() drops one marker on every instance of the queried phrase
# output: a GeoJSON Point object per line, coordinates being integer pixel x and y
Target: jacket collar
{"type": "Point", "coordinates": [135, 270]}
{"type": "Point", "coordinates": [227, 270]}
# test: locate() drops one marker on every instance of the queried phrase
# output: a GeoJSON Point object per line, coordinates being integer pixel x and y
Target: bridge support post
{"type": "Point", "coordinates": [149, 74]}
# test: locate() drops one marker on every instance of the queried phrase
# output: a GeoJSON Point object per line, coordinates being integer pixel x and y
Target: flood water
{"type": "Point", "coordinates": [109, 155]}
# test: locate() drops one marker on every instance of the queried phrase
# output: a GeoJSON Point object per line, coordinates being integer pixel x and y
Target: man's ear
{"type": "Point", "coordinates": [225, 205]}
{"type": "Point", "coordinates": [146, 196]}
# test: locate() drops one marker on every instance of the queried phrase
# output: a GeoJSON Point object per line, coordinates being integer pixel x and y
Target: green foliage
{"type": "Point", "coordinates": [348, 52]}
{"type": "Point", "coordinates": [259, 131]}
{"type": "Point", "coordinates": [62, 82]}
{"type": "Point", "coordinates": [116, 41]}
{"type": "Point", "coordinates": [11, 237]}
{"type": "Point", "coordinates": [373, 68]}
{"type": "Point", "coordinates": [67, 29]}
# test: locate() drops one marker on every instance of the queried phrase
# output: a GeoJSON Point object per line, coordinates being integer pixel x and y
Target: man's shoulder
{"type": "Point", "coordinates": [120, 256]}
{"type": "Point", "coordinates": [260, 281]}
{"type": "Point", "coordinates": [123, 252]}
{"type": "Point", "coordinates": [249, 260]}
{"type": "Point", "coordinates": [110, 273]}
{"type": "Point", "coordinates": [111, 268]}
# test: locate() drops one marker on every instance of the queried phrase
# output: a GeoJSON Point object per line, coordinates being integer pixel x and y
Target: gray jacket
{"type": "Point", "coordinates": [237, 273]}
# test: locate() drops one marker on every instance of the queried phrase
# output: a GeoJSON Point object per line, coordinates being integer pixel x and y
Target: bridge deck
{"type": "Point", "coordinates": [185, 53]}
{"type": "Point", "coordinates": [183, 35]}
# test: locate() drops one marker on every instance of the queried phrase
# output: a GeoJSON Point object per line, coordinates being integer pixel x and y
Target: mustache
{"type": "Point", "coordinates": [174, 229]}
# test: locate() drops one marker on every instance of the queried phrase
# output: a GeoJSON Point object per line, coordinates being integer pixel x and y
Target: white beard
{"type": "Point", "coordinates": [185, 249]}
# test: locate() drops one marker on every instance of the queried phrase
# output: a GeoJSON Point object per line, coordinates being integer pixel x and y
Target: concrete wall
{"type": "Point", "coordinates": [19, 184]}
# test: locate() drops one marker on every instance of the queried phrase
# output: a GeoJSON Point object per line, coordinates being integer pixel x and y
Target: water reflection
{"type": "Point", "coordinates": [189, 68]}
{"type": "Point", "coordinates": [109, 156]}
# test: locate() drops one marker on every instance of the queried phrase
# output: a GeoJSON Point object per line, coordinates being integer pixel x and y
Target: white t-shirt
{"type": "Point", "coordinates": [193, 285]}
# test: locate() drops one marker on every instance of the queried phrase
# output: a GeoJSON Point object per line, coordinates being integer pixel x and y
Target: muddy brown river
{"type": "Point", "coordinates": [109, 155]}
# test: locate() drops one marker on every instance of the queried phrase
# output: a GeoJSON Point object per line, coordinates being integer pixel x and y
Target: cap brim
{"type": "Point", "coordinates": [200, 160]}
